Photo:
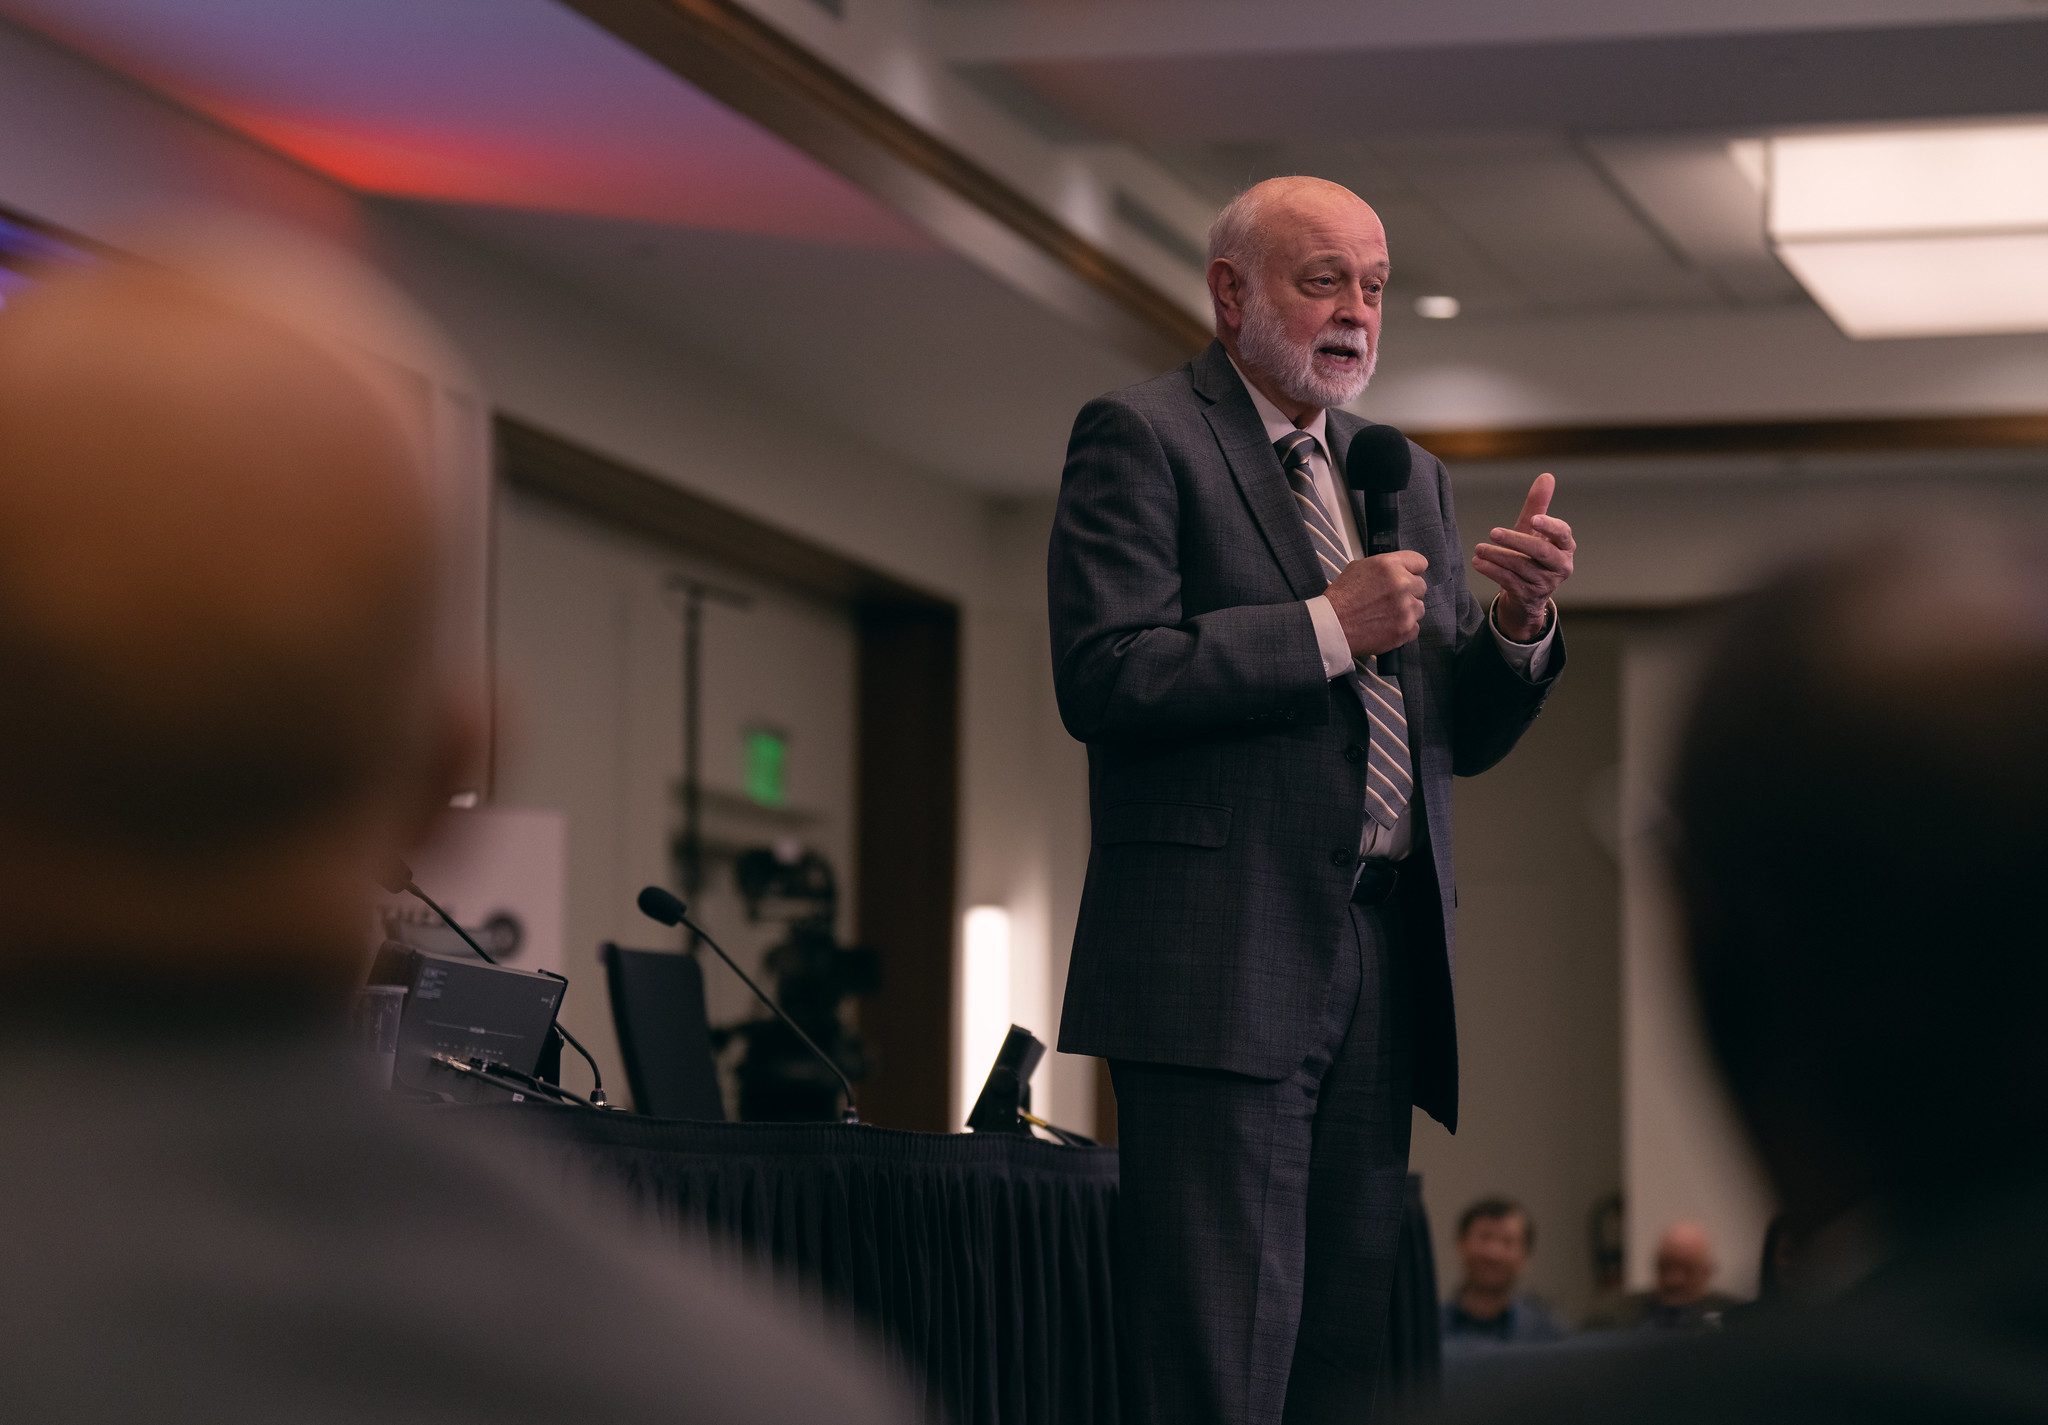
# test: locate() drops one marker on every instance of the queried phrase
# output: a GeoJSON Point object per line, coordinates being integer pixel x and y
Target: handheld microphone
{"type": "Point", "coordinates": [396, 878]}
{"type": "Point", "coordinates": [1377, 466]}
{"type": "Point", "coordinates": [666, 908]}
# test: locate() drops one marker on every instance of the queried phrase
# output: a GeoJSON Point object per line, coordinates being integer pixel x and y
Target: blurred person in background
{"type": "Point", "coordinates": [219, 719]}
{"type": "Point", "coordinates": [1683, 1298]}
{"type": "Point", "coordinates": [1495, 1237]}
{"type": "Point", "coordinates": [1861, 823]}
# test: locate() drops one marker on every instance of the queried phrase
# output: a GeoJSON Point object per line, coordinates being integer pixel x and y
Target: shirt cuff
{"type": "Point", "coordinates": [1528, 659]}
{"type": "Point", "coordinates": [1330, 639]}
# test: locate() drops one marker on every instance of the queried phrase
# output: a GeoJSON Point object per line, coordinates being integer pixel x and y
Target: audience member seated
{"type": "Point", "coordinates": [1682, 1300]}
{"type": "Point", "coordinates": [1860, 826]}
{"type": "Point", "coordinates": [218, 720]}
{"type": "Point", "coordinates": [1495, 1237]}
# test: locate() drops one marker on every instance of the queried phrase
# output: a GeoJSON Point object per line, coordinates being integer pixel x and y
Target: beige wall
{"type": "Point", "coordinates": [588, 645]}
{"type": "Point", "coordinates": [1539, 1015]}
{"type": "Point", "coordinates": [1685, 1153]}
{"type": "Point", "coordinates": [1027, 797]}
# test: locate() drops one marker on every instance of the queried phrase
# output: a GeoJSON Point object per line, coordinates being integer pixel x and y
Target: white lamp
{"type": "Point", "coordinates": [984, 997]}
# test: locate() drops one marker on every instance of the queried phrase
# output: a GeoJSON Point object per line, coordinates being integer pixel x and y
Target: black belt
{"type": "Point", "coordinates": [1376, 881]}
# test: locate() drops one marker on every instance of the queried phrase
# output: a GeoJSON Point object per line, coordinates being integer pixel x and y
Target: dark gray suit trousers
{"type": "Point", "coordinates": [1259, 1219]}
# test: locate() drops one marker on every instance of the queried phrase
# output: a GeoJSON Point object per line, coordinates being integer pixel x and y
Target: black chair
{"type": "Point", "coordinates": [658, 1009]}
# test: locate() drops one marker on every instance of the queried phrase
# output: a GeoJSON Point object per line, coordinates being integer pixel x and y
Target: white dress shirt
{"type": "Point", "coordinates": [1528, 659]}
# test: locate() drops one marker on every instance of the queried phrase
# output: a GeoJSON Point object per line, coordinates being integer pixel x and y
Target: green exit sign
{"type": "Point", "coordinates": [767, 766]}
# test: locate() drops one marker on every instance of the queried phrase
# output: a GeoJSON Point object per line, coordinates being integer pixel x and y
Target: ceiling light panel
{"type": "Point", "coordinates": [1931, 232]}
{"type": "Point", "coordinates": [1926, 181]}
{"type": "Point", "coordinates": [1945, 286]}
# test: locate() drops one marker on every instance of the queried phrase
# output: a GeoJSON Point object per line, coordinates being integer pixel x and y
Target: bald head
{"type": "Point", "coordinates": [1251, 225]}
{"type": "Point", "coordinates": [216, 568]}
{"type": "Point", "coordinates": [1861, 842]}
{"type": "Point", "coordinates": [1297, 267]}
{"type": "Point", "coordinates": [1685, 1264]}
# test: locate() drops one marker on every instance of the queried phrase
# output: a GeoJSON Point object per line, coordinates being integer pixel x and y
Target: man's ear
{"type": "Point", "coordinates": [1226, 290]}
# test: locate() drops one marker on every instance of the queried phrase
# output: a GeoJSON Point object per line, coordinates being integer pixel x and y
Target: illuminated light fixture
{"type": "Point", "coordinates": [1440, 309]}
{"type": "Point", "coordinates": [984, 997]}
{"type": "Point", "coordinates": [1930, 232]}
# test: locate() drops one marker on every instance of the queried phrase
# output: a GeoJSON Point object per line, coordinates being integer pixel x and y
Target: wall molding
{"type": "Point", "coordinates": [1807, 437]}
{"type": "Point", "coordinates": [744, 62]}
{"type": "Point", "coordinates": [537, 462]}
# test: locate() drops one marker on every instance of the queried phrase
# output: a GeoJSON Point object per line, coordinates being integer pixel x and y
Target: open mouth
{"type": "Point", "coordinates": [1343, 355]}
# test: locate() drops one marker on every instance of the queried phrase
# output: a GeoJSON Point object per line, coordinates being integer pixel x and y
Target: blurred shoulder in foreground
{"type": "Point", "coordinates": [1859, 842]}
{"type": "Point", "coordinates": [221, 718]}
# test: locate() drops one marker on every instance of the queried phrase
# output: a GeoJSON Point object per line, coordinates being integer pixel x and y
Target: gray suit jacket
{"type": "Point", "coordinates": [1226, 773]}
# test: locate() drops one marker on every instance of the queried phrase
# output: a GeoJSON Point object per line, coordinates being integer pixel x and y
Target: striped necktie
{"type": "Point", "coordinates": [1389, 781]}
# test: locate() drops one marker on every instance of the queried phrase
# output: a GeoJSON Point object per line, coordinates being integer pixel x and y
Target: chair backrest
{"type": "Point", "coordinates": [658, 1009]}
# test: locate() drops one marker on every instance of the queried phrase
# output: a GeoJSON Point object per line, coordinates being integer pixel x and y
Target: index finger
{"type": "Point", "coordinates": [1411, 561]}
{"type": "Point", "coordinates": [1538, 503]}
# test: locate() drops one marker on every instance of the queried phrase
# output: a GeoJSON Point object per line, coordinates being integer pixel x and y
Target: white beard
{"type": "Point", "coordinates": [1266, 346]}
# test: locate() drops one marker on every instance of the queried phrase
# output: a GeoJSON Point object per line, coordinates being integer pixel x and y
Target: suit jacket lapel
{"type": "Point", "coordinates": [1242, 436]}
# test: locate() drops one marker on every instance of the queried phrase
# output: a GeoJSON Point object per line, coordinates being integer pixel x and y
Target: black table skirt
{"type": "Point", "coordinates": [982, 1260]}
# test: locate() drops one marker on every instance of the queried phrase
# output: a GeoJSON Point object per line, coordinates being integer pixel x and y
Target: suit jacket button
{"type": "Point", "coordinates": [1341, 857]}
{"type": "Point", "coordinates": [1354, 753]}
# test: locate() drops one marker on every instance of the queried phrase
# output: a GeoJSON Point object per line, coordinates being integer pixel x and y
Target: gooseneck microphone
{"type": "Point", "coordinates": [397, 879]}
{"type": "Point", "coordinates": [1377, 466]}
{"type": "Point", "coordinates": [666, 908]}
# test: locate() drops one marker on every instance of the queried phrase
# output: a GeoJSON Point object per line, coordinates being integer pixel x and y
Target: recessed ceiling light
{"type": "Point", "coordinates": [1927, 232]}
{"type": "Point", "coordinates": [1440, 309]}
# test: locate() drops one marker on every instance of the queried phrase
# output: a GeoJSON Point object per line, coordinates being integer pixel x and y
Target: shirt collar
{"type": "Point", "coordinates": [1277, 425]}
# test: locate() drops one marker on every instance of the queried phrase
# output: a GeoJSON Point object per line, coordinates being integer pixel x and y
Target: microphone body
{"type": "Point", "coordinates": [1378, 465]}
{"type": "Point", "coordinates": [666, 908]}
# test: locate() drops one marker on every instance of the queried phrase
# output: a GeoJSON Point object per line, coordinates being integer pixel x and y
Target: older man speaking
{"type": "Point", "coordinates": [1264, 946]}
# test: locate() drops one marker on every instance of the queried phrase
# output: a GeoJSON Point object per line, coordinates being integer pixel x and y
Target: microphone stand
{"type": "Point", "coordinates": [672, 906]}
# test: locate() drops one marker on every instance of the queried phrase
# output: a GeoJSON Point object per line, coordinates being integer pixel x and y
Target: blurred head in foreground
{"type": "Point", "coordinates": [1862, 808]}
{"type": "Point", "coordinates": [217, 567]}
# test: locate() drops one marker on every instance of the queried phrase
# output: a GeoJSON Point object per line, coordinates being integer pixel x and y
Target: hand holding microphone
{"type": "Point", "coordinates": [1378, 599]}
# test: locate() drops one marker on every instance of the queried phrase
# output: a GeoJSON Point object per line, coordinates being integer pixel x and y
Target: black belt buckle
{"type": "Point", "coordinates": [1376, 882]}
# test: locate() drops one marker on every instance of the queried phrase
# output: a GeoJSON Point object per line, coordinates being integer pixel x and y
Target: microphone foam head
{"type": "Point", "coordinates": [395, 877]}
{"type": "Point", "coordinates": [663, 906]}
{"type": "Point", "coordinates": [1378, 461]}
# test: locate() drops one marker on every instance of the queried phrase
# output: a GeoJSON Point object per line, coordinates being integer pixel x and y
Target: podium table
{"type": "Point", "coordinates": [981, 1260]}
